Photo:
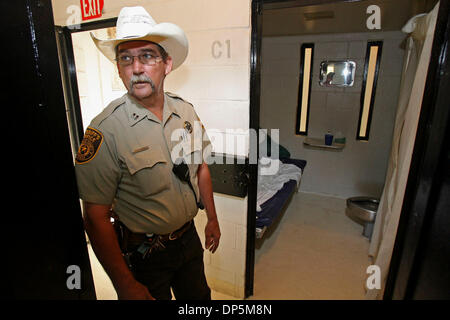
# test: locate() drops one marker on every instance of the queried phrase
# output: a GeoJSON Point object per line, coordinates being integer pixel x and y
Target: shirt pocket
{"type": "Point", "coordinates": [149, 170]}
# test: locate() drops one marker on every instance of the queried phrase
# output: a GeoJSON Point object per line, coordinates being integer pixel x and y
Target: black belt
{"type": "Point", "coordinates": [140, 237]}
{"type": "Point", "coordinates": [145, 243]}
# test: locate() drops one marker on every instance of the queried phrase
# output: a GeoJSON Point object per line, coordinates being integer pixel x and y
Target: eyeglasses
{"type": "Point", "coordinates": [144, 58]}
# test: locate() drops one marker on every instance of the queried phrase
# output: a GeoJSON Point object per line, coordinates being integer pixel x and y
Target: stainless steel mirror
{"type": "Point", "coordinates": [337, 73]}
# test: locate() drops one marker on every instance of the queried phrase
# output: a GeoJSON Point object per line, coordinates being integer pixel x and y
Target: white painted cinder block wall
{"type": "Point", "coordinates": [360, 168]}
{"type": "Point", "coordinates": [215, 78]}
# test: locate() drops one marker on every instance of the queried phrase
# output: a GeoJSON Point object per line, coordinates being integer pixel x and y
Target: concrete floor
{"type": "Point", "coordinates": [313, 252]}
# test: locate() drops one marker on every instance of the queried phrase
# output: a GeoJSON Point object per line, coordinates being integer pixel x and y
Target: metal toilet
{"type": "Point", "coordinates": [363, 210]}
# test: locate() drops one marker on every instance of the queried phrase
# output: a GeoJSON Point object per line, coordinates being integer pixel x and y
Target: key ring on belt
{"type": "Point", "coordinates": [171, 237]}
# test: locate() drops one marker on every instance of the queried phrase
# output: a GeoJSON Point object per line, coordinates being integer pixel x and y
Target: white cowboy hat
{"type": "Point", "coordinates": [135, 23]}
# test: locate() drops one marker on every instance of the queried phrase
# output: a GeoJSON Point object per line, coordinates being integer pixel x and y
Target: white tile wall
{"type": "Point", "coordinates": [88, 78]}
{"type": "Point", "coordinates": [225, 269]}
{"type": "Point", "coordinates": [219, 47]}
{"type": "Point", "coordinates": [210, 82]}
{"type": "Point", "coordinates": [221, 115]}
{"type": "Point", "coordinates": [359, 169]}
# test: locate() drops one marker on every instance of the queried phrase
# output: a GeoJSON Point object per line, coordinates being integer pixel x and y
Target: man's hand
{"type": "Point", "coordinates": [134, 291]}
{"type": "Point", "coordinates": [212, 235]}
{"type": "Point", "coordinates": [106, 247]}
{"type": "Point", "coordinates": [212, 230]}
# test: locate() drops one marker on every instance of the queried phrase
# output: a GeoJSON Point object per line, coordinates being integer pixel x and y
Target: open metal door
{"type": "Point", "coordinates": [44, 244]}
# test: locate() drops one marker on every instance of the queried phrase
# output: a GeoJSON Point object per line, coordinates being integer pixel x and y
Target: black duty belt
{"type": "Point", "coordinates": [145, 243]}
{"type": "Point", "coordinates": [139, 237]}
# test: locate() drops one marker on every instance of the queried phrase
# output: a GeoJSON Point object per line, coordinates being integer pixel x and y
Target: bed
{"type": "Point", "coordinates": [270, 209]}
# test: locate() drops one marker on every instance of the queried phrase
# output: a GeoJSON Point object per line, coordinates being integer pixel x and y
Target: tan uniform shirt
{"type": "Point", "coordinates": [126, 160]}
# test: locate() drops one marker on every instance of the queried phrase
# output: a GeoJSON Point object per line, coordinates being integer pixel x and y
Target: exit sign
{"type": "Point", "coordinates": [91, 9]}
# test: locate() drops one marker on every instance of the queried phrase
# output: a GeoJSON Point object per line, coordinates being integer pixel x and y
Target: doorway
{"type": "Point", "coordinates": [325, 181]}
{"type": "Point", "coordinates": [191, 81]}
{"type": "Point", "coordinates": [85, 89]}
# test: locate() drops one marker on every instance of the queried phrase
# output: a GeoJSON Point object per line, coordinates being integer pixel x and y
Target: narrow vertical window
{"type": "Point", "coordinates": [304, 88]}
{"type": "Point", "coordinates": [371, 69]}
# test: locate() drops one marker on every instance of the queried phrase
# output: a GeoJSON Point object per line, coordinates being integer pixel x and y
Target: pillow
{"type": "Point", "coordinates": [282, 153]}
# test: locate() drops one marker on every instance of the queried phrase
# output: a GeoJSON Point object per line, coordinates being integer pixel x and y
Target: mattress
{"type": "Point", "coordinates": [271, 208]}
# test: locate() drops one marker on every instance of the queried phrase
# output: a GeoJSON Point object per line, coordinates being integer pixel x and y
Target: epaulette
{"type": "Point", "coordinates": [109, 110]}
{"type": "Point", "coordinates": [175, 96]}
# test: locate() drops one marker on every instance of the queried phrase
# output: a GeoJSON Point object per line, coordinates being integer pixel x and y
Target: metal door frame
{"type": "Point", "coordinates": [69, 74]}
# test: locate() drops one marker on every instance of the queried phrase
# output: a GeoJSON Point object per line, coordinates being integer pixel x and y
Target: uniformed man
{"type": "Point", "coordinates": [136, 163]}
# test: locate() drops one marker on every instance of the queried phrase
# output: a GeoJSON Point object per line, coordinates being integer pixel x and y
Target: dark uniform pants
{"type": "Point", "coordinates": [178, 266]}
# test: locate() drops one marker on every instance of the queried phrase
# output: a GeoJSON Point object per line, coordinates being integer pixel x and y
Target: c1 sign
{"type": "Point", "coordinates": [91, 9]}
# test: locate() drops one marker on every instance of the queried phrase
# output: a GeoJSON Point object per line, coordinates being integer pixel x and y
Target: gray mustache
{"type": "Point", "coordinates": [141, 78]}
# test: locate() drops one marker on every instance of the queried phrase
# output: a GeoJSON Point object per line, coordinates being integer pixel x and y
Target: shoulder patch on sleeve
{"type": "Point", "coordinates": [89, 146]}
